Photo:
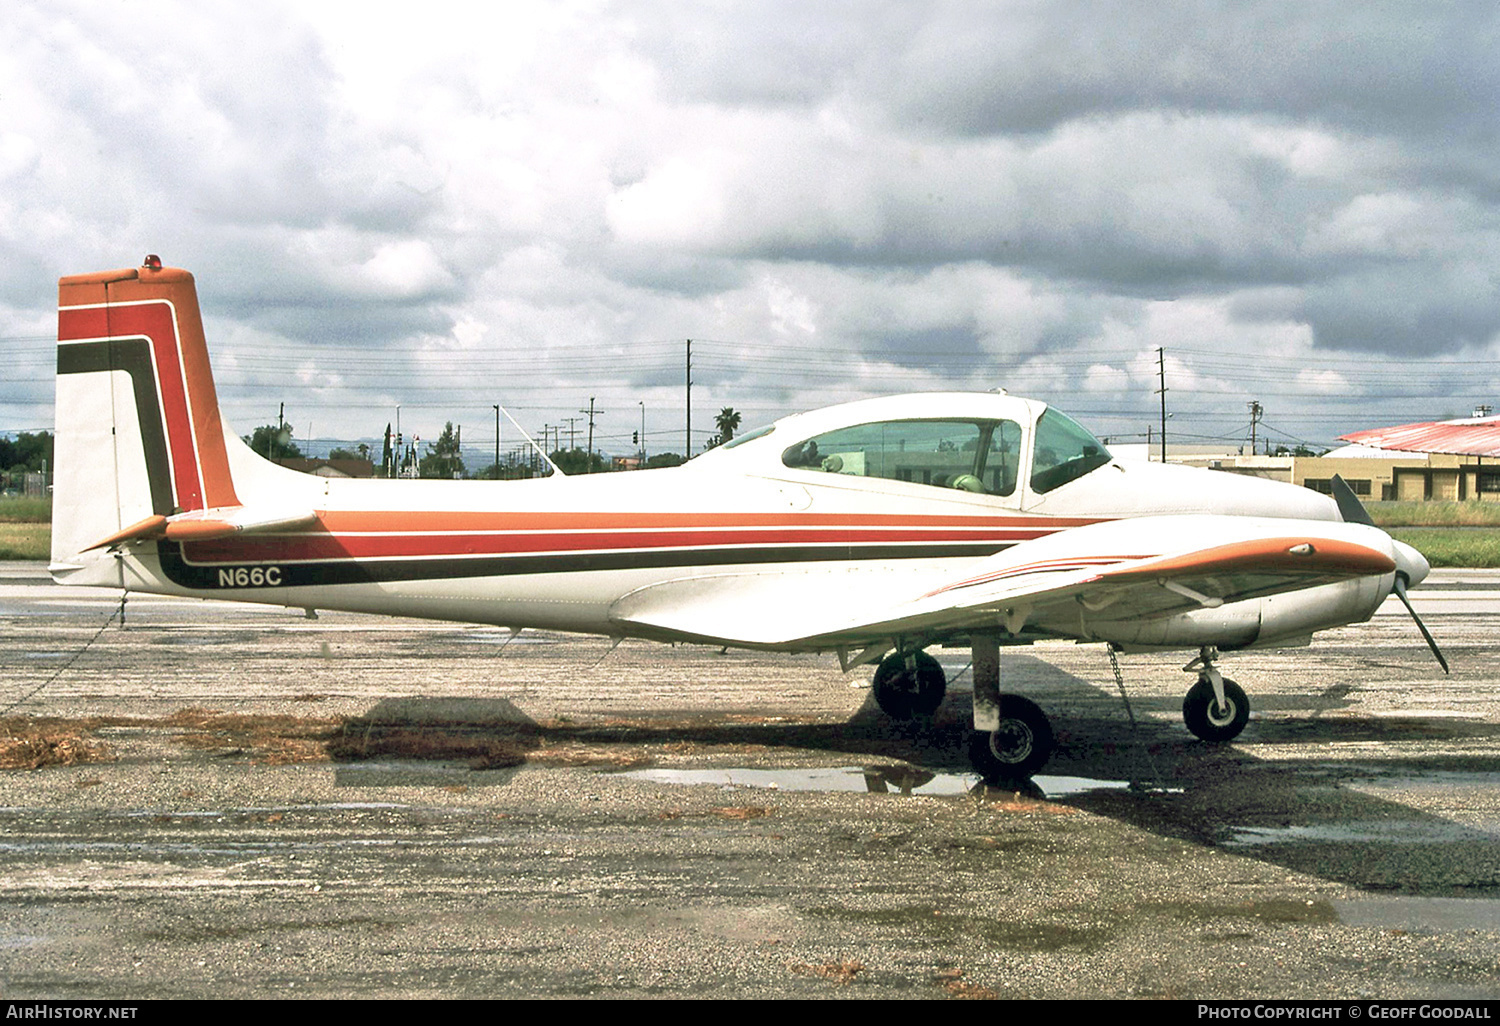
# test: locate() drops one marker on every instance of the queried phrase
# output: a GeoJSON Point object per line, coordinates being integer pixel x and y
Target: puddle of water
{"type": "Point", "coordinates": [1428, 831]}
{"type": "Point", "coordinates": [1435, 915]}
{"type": "Point", "coordinates": [1444, 779]}
{"type": "Point", "coordinates": [872, 779]}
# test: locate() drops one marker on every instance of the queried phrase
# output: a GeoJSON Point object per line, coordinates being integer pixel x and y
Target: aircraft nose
{"type": "Point", "coordinates": [1410, 563]}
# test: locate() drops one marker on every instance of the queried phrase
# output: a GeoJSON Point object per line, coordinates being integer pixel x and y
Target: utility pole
{"type": "Point", "coordinates": [497, 440]}
{"type": "Point", "coordinates": [687, 452]}
{"type": "Point", "coordinates": [591, 411]}
{"type": "Point", "coordinates": [280, 427]}
{"type": "Point", "coordinates": [1255, 412]}
{"type": "Point", "coordinates": [1161, 373]}
{"type": "Point", "coordinates": [643, 434]}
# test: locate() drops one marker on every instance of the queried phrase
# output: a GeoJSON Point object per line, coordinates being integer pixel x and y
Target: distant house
{"type": "Point", "coordinates": [1370, 474]}
{"type": "Point", "coordinates": [329, 468]}
{"type": "Point", "coordinates": [1431, 460]}
{"type": "Point", "coordinates": [1444, 459]}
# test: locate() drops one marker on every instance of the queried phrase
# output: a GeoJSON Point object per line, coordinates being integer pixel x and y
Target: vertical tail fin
{"type": "Point", "coordinates": [138, 433]}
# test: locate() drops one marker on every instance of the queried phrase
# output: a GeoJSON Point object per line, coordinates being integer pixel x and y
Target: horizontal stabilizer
{"type": "Point", "coordinates": [208, 524]}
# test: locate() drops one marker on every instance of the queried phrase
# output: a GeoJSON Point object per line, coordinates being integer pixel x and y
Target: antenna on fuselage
{"type": "Point", "coordinates": [532, 441]}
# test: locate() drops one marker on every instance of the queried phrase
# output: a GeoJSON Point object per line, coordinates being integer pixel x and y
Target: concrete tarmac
{"type": "Point", "coordinates": [264, 805]}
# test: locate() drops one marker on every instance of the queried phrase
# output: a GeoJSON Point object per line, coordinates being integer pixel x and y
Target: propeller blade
{"type": "Point", "coordinates": [1400, 590]}
{"type": "Point", "coordinates": [1350, 508]}
{"type": "Point", "coordinates": [1353, 512]}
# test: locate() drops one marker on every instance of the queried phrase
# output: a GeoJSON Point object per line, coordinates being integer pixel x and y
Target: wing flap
{"type": "Point", "coordinates": [770, 608]}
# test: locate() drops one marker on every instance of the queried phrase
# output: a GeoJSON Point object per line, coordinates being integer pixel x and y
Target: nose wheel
{"type": "Point", "coordinates": [1210, 720]}
{"type": "Point", "coordinates": [1215, 708]}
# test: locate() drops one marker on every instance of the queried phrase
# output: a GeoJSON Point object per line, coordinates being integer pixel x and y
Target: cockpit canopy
{"type": "Point", "coordinates": [976, 456]}
{"type": "Point", "coordinates": [984, 455]}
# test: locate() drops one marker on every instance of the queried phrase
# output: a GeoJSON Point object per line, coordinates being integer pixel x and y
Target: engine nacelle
{"type": "Point", "coordinates": [1288, 618]}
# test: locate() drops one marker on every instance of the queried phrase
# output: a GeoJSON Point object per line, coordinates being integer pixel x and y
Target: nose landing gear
{"type": "Point", "coordinates": [1215, 708]}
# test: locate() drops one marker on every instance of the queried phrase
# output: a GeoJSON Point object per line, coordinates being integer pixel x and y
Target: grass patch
{"type": "Point", "coordinates": [25, 541]}
{"type": "Point", "coordinates": [1462, 547]}
{"type": "Point", "coordinates": [274, 739]}
{"type": "Point", "coordinates": [27, 743]}
{"type": "Point", "coordinates": [22, 510]}
{"type": "Point", "coordinates": [482, 748]}
{"type": "Point", "coordinates": [1435, 514]}
{"type": "Point", "coordinates": [25, 528]}
{"type": "Point", "coordinates": [268, 739]}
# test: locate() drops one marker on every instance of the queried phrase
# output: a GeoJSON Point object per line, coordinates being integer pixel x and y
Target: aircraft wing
{"type": "Point", "coordinates": [1140, 568]}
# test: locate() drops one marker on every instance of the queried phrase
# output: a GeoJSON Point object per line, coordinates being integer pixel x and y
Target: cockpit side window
{"type": "Point", "coordinates": [975, 456]}
{"type": "Point", "coordinates": [1064, 452]}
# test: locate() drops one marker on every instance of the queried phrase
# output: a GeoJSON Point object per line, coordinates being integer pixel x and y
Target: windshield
{"type": "Point", "coordinates": [1064, 452]}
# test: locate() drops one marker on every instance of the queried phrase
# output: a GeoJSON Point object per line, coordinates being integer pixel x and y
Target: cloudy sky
{"type": "Point", "coordinates": [446, 206]}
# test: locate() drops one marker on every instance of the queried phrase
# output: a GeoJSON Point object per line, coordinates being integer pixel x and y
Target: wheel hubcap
{"type": "Point", "coordinates": [1221, 716]}
{"type": "Point", "coordinates": [1012, 742]}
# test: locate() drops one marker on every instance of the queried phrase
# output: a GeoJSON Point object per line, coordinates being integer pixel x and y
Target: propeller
{"type": "Point", "coordinates": [1410, 564]}
{"type": "Point", "coordinates": [1400, 590]}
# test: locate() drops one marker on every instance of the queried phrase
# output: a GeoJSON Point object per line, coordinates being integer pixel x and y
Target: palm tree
{"type": "Point", "coordinates": [726, 422]}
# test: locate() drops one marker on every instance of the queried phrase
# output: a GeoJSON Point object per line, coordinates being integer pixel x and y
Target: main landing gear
{"type": "Point", "coordinates": [1020, 744]}
{"type": "Point", "coordinates": [1215, 708]}
{"type": "Point", "coordinates": [1012, 737]}
{"type": "Point", "coordinates": [909, 684]}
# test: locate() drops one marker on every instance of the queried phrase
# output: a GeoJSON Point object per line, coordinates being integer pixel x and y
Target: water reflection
{"type": "Point", "coordinates": [876, 779]}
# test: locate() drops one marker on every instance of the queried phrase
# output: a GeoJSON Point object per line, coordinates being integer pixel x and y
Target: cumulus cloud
{"type": "Point", "coordinates": [546, 200]}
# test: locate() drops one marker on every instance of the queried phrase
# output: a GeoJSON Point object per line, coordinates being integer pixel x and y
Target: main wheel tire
{"type": "Point", "coordinates": [902, 693]}
{"type": "Point", "coordinates": [1021, 746]}
{"type": "Point", "coordinates": [1201, 712]}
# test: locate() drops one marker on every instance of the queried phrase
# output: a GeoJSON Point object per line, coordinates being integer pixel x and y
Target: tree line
{"type": "Point", "coordinates": [443, 458]}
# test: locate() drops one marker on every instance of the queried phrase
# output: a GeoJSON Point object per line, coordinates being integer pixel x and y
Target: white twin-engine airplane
{"type": "Point", "coordinates": [874, 529]}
